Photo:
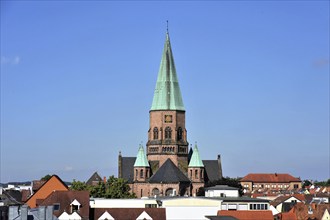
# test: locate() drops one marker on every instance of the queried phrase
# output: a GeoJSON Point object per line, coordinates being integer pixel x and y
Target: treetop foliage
{"type": "Point", "coordinates": [113, 188]}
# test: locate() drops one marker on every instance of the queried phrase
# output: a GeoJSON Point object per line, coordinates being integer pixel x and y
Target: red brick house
{"type": "Point", "coordinates": [48, 187]}
{"type": "Point", "coordinates": [270, 181]}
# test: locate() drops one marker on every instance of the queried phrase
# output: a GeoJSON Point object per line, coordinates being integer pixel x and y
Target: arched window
{"type": "Point", "coordinates": [155, 133]}
{"type": "Point", "coordinates": [141, 173]}
{"type": "Point", "coordinates": [202, 174]}
{"type": "Point", "coordinates": [155, 192]}
{"type": "Point", "coordinates": [179, 133]}
{"type": "Point", "coordinates": [190, 173]}
{"type": "Point", "coordinates": [168, 133]}
{"type": "Point", "coordinates": [196, 174]}
{"type": "Point", "coordinates": [169, 192]}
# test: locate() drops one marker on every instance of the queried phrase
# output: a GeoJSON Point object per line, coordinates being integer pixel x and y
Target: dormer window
{"type": "Point", "coordinates": [75, 205]}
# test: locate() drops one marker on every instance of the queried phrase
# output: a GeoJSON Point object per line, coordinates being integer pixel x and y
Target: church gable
{"type": "Point", "coordinates": [168, 173]}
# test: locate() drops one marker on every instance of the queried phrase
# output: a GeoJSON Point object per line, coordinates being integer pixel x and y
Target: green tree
{"type": "Point", "coordinates": [78, 186]}
{"type": "Point", "coordinates": [46, 178]}
{"type": "Point", "coordinates": [112, 188]}
{"type": "Point", "coordinates": [306, 183]}
{"type": "Point", "coordinates": [322, 183]}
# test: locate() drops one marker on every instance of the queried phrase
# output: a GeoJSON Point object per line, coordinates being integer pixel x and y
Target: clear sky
{"type": "Point", "coordinates": [77, 82]}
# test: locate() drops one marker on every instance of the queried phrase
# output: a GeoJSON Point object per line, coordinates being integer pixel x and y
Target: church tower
{"type": "Point", "coordinates": [167, 135]}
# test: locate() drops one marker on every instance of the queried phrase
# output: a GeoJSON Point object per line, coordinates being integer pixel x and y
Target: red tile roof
{"type": "Point", "coordinates": [269, 178]}
{"type": "Point", "coordinates": [301, 210]}
{"type": "Point", "coordinates": [281, 199]}
{"type": "Point", "coordinates": [248, 215]}
{"type": "Point", "coordinates": [286, 216]}
{"type": "Point", "coordinates": [131, 213]}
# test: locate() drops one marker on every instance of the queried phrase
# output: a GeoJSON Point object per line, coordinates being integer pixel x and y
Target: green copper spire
{"type": "Point", "coordinates": [141, 158]}
{"type": "Point", "coordinates": [167, 94]}
{"type": "Point", "coordinates": [195, 160]}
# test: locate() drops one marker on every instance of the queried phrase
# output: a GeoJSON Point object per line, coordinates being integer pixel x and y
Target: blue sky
{"type": "Point", "coordinates": [77, 81]}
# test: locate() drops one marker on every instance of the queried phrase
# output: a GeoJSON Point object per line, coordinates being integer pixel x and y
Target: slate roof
{"type": "Point", "coordinates": [221, 187]}
{"type": "Point", "coordinates": [212, 169]}
{"type": "Point", "coordinates": [131, 213]}
{"type": "Point", "coordinates": [94, 179]}
{"type": "Point", "coordinates": [269, 178]}
{"type": "Point", "coordinates": [127, 167]}
{"type": "Point", "coordinates": [65, 198]}
{"type": "Point", "coordinates": [168, 173]}
{"type": "Point", "coordinates": [248, 215]}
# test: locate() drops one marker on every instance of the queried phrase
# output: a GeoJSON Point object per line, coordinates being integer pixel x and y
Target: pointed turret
{"type": "Point", "coordinates": [167, 94]}
{"type": "Point", "coordinates": [141, 166]}
{"type": "Point", "coordinates": [141, 158]}
{"type": "Point", "coordinates": [195, 160]}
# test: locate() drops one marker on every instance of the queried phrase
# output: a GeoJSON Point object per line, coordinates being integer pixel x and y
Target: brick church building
{"type": "Point", "coordinates": [168, 167]}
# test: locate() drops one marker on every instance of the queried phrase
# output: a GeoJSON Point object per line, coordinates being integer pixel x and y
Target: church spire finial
{"type": "Point", "coordinates": [167, 26]}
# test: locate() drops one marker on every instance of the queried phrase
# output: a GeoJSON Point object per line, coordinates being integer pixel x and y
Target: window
{"type": "Point", "coordinates": [179, 134]}
{"type": "Point", "coordinates": [196, 174]}
{"type": "Point", "coordinates": [56, 206]}
{"type": "Point", "coordinates": [141, 173]}
{"type": "Point", "coordinates": [258, 206]}
{"type": "Point", "coordinates": [190, 173]}
{"type": "Point", "coordinates": [169, 192]}
{"type": "Point", "coordinates": [136, 173]}
{"type": "Point", "coordinates": [155, 133]}
{"type": "Point", "coordinates": [201, 174]}
{"type": "Point", "coordinates": [151, 205]}
{"type": "Point", "coordinates": [74, 208]}
{"type": "Point", "coordinates": [168, 133]}
{"type": "Point", "coordinates": [295, 186]}
{"type": "Point", "coordinates": [155, 192]}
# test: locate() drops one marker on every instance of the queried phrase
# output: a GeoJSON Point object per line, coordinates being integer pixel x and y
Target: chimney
{"type": "Point", "coordinates": [49, 212]}
{"type": "Point", "coordinates": [42, 212]}
{"type": "Point", "coordinates": [120, 161]}
{"type": "Point", "coordinates": [13, 212]}
{"type": "Point", "coordinates": [24, 212]}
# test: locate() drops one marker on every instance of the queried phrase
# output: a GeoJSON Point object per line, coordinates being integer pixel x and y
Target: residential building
{"type": "Point", "coordinates": [247, 215]}
{"type": "Point", "coordinates": [168, 167]}
{"type": "Point", "coordinates": [94, 180]}
{"type": "Point", "coordinates": [258, 182]}
{"type": "Point", "coordinates": [221, 191]}
{"type": "Point", "coordinates": [53, 184]}
{"type": "Point", "coordinates": [68, 204]}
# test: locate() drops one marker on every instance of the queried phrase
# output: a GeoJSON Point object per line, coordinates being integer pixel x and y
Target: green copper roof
{"type": "Point", "coordinates": [141, 159]}
{"type": "Point", "coordinates": [195, 160]}
{"type": "Point", "coordinates": [167, 94]}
